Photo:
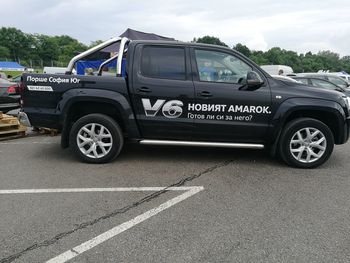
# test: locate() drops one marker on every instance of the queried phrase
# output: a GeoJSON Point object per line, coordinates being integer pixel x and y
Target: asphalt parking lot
{"type": "Point", "coordinates": [223, 205]}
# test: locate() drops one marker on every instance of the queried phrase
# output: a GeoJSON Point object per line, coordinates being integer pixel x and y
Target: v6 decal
{"type": "Point", "coordinates": [171, 109]}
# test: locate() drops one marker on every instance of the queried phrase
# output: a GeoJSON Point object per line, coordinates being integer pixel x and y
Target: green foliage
{"type": "Point", "coordinates": [4, 52]}
{"type": "Point", "coordinates": [26, 48]}
{"type": "Point", "coordinates": [308, 62]}
{"type": "Point", "coordinates": [243, 49]}
{"type": "Point", "coordinates": [95, 43]}
{"type": "Point", "coordinates": [210, 40]}
{"type": "Point", "coordinates": [18, 46]}
{"type": "Point", "coordinates": [17, 42]}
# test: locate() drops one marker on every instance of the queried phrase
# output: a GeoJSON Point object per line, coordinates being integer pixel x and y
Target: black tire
{"type": "Point", "coordinates": [289, 132]}
{"type": "Point", "coordinates": [110, 125]}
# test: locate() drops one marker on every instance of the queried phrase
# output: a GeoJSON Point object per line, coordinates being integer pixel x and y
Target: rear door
{"type": "Point", "coordinates": [162, 88]}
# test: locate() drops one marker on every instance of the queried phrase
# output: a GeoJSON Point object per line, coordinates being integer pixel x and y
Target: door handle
{"type": "Point", "coordinates": [206, 94]}
{"type": "Point", "coordinates": [144, 90]}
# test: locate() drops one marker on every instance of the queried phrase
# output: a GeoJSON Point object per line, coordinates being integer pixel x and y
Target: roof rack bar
{"type": "Point", "coordinates": [89, 52]}
{"type": "Point", "coordinates": [105, 63]}
{"type": "Point", "coordinates": [123, 42]}
{"type": "Point", "coordinates": [109, 61]}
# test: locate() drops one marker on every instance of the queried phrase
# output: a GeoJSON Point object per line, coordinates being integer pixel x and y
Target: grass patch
{"type": "Point", "coordinates": [16, 73]}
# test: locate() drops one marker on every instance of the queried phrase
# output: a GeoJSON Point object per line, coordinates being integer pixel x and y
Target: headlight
{"type": "Point", "coordinates": [347, 102]}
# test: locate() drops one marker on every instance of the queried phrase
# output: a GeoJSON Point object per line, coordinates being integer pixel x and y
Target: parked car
{"type": "Point", "coordinates": [285, 78]}
{"type": "Point", "coordinates": [16, 79]}
{"type": "Point", "coordinates": [3, 75]}
{"type": "Point", "coordinates": [343, 76]}
{"type": "Point", "coordinates": [9, 96]}
{"type": "Point", "coordinates": [323, 84]}
{"type": "Point", "coordinates": [340, 82]}
{"type": "Point", "coordinates": [275, 69]}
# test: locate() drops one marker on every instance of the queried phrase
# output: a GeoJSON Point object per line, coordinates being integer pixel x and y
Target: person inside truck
{"type": "Point", "coordinates": [207, 71]}
{"type": "Point", "coordinates": [89, 71]}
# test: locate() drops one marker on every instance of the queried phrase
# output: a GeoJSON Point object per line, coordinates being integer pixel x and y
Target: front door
{"type": "Point", "coordinates": [224, 109]}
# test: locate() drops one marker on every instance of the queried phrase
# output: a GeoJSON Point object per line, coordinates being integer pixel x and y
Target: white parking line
{"type": "Point", "coordinates": [29, 142]}
{"type": "Point", "coordinates": [83, 190]}
{"type": "Point", "coordinates": [76, 251]}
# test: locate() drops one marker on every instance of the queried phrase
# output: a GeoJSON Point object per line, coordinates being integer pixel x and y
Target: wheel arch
{"type": "Point", "coordinates": [329, 112]}
{"type": "Point", "coordinates": [79, 103]}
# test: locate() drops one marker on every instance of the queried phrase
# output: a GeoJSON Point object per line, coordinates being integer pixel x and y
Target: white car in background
{"type": "Point", "coordinates": [275, 69]}
{"type": "Point", "coordinates": [57, 70]}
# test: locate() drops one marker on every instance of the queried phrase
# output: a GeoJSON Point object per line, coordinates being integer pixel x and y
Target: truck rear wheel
{"type": "Point", "coordinates": [96, 138]}
{"type": "Point", "coordinates": [306, 143]}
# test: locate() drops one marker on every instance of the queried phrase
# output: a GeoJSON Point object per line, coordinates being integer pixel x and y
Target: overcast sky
{"type": "Point", "coordinates": [309, 25]}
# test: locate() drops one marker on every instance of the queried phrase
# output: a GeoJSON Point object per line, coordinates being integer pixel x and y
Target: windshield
{"type": "Point", "coordinates": [338, 81]}
{"type": "Point", "coordinates": [325, 84]}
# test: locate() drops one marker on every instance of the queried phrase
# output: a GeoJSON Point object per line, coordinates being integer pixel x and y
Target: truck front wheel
{"type": "Point", "coordinates": [306, 143]}
{"type": "Point", "coordinates": [96, 138]}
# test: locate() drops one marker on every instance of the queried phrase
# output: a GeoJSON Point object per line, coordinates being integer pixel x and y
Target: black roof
{"type": "Point", "coordinates": [180, 43]}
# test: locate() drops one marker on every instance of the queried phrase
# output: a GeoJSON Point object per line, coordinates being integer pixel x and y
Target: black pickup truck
{"type": "Point", "coordinates": [174, 93]}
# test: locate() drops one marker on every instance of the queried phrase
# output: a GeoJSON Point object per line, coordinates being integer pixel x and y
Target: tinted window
{"type": "Point", "coordinates": [163, 62]}
{"type": "Point", "coordinates": [216, 66]}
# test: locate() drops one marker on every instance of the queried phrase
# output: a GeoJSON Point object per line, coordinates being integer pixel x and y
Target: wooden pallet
{"type": "Point", "coordinates": [11, 127]}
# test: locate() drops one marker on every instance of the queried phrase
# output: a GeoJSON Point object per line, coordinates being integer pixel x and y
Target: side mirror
{"type": "Point", "coordinates": [254, 81]}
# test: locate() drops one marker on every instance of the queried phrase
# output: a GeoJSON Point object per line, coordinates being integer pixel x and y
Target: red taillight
{"type": "Point", "coordinates": [12, 89]}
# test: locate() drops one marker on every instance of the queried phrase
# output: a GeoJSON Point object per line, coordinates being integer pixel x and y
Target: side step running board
{"type": "Point", "coordinates": [203, 144]}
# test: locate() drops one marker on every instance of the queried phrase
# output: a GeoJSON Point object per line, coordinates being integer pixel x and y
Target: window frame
{"type": "Point", "coordinates": [164, 46]}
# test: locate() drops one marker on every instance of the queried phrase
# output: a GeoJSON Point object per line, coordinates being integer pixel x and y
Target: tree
{"type": "Point", "coordinates": [4, 52]}
{"type": "Point", "coordinates": [210, 40]}
{"type": "Point", "coordinates": [47, 47]}
{"type": "Point", "coordinates": [243, 49]}
{"type": "Point", "coordinates": [259, 57]}
{"type": "Point", "coordinates": [17, 42]}
{"type": "Point", "coordinates": [274, 56]}
{"type": "Point", "coordinates": [329, 60]}
{"type": "Point", "coordinates": [95, 43]}
{"type": "Point", "coordinates": [69, 47]}
{"type": "Point", "coordinates": [17, 45]}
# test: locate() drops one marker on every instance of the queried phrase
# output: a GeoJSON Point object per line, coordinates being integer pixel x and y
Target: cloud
{"type": "Point", "coordinates": [295, 25]}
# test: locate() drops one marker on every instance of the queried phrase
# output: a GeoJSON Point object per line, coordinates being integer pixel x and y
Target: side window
{"type": "Point", "coordinates": [323, 84]}
{"type": "Point", "coordinates": [163, 62]}
{"type": "Point", "coordinates": [216, 66]}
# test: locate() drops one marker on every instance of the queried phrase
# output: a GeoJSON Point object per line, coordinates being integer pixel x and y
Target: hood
{"type": "Point", "coordinates": [291, 89]}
